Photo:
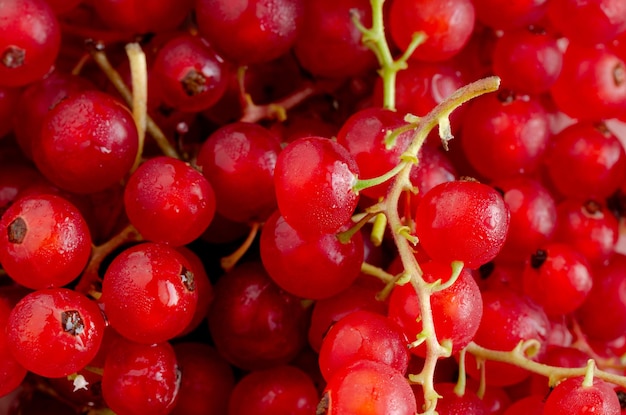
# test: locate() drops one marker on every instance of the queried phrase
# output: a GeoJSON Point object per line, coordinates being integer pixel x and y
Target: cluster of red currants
{"type": "Point", "coordinates": [228, 207]}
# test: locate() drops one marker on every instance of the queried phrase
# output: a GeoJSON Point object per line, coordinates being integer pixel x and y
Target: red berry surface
{"type": "Point", "coordinates": [55, 332]}
{"type": "Point", "coordinates": [45, 241]}
{"type": "Point", "coordinates": [462, 221]}
{"type": "Point", "coordinates": [168, 201]}
{"type": "Point", "coordinates": [149, 293]}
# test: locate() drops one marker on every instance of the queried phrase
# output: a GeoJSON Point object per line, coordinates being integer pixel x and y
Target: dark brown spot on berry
{"type": "Point", "coordinates": [72, 322]}
{"type": "Point", "coordinates": [16, 230]}
{"type": "Point", "coordinates": [188, 279]}
{"type": "Point", "coordinates": [194, 83]}
{"type": "Point", "coordinates": [591, 208]}
{"type": "Point", "coordinates": [13, 57]}
{"type": "Point", "coordinates": [538, 258]}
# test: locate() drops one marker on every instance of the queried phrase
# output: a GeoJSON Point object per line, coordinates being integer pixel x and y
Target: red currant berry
{"type": "Point", "coordinates": [329, 44]}
{"type": "Point", "coordinates": [573, 397]}
{"type": "Point", "coordinates": [132, 15]}
{"type": "Point", "coordinates": [312, 266]}
{"type": "Point", "coordinates": [462, 221]}
{"type": "Point", "coordinates": [55, 332]}
{"type": "Point", "coordinates": [505, 134]}
{"type": "Point", "coordinates": [256, 325]}
{"type": "Point", "coordinates": [207, 380]}
{"type": "Point", "coordinates": [447, 24]}
{"type": "Point", "coordinates": [558, 278]}
{"type": "Point", "coordinates": [603, 20]}
{"type": "Point", "coordinates": [30, 38]}
{"type": "Point", "coordinates": [140, 378]}
{"type": "Point", "coordinates": [238, 159]}
{"type": "Point", "coordinates": [168, 201]}
{"type": "Point", "coordinates": [457, 310]}
{"type": "Point", "coordinates": [367, 388]}
{"type": "Point", "coordinates": [585, 161]}
{"type": "Point", "coordinates": [88, 143]}
{"type": "Point", "coordinates": [252, 31]}
{"type": "Point", "coordinates": [281, 389]}
{"type": "Point", "coordinates": [363, 335]}
{"type": "Point", "coordinates": [314, 179]}
{"type": "Point", "coordinates": [44, 241]}
{"type": "Point", "coordinates": [509, 15]}
{"type": "Point", "coordinates": [190, 76]}
{"type": "Point", "coordinates": [149, 293]}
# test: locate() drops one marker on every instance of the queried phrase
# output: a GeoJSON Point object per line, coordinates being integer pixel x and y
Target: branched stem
{"type": "Point", "coordinates": [555, 374]}
{"type": "Point", "coordinates": [374, 38]}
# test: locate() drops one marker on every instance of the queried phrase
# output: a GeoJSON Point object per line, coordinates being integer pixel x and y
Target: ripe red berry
{"type": "Point", "coordinates": [573, 397]}
{"type": "Point", "coordinates": [55, 332]}
{"type": "Point", "coordinates": [88, 143]}
{"type": "Point", "coordinates": [140, 378]}
{"type": "Point", "coordinates": [149, 293]}
{"type": "Point", "coordinates": [30, 38]}
{"type": "Point", "coordinates": [169, 201]}
{"type": "Point", "coordinates": [44, 241]}
{"type": "Point", "coordinates": [314, 179]}
{"type": "Point", "coordinates": [462, 221]}
{"type": "Point", "coordinates": [309, 266]}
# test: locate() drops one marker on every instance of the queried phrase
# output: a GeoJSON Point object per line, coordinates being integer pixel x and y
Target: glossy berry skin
{"type": "Point", "coordinates": [533, 217]}
{"type": "Point", "coordinates": [191, 77]}
{"type": "Point", "coordinates": [37, 100]}
{"type": "Point", "coordinates": [447, 25]}
{"type": "Point", "coordinates": [207, 380]}
{"type": "Point", "coordinates": [256, 325]}
{"type": "Point", "coordinates": [589, 227]}
{"type": "Point", "coordinates": [238, 160]}
{"type": "Point", "coordinates": [203, 286]}
{"type": "Point", "coordinates": [140, 378]}
{"type": "Point", "coordinates": [571, 397]}
{"type": "Point", "coordinates": [508, 318]}
{"type": "Point", "coordinates": [558, 278]}
{"type": "Point", "coordinates": [601, 76]}
{"type": "Point", "coordinates": [527, 61]}
{"type": "Point", "coordinates": [462, 221]}
{"type": "Point", "coordinates": [367, 388]}
{"type": "Point", "coordinates": [457, 310]}
{"type": "Point", "coordinates": [30, 38]}
{"type": "Point", "coordinates": [605, 299]}
{"type": "Point", "coordinates": [88, 143]}
{"type": "Point", "coordinates": [363, 135]}
{"type": "Point", "coordinates": [586, 160]}
{"type": "Point", "coordinates": [132, 15]}
{"type": "Point", "coordinates": [281, 389]}
{"type": "Point", "coordinates": [603, 19]}
{"type": "Point", "coordinates": [329, 44]}
{"type": "Point", "coordinates": [509, 15]}
{"type": "Point", "coordinates": [169, 201]}
{"type": "Point", "coordinates": [11, 372]}
{"type": "Point", "coordinates": [312, 266]}
{"type": "Point", "coordinates": [505, 134]}
{"type": "Point", "coordinates": [44, 241]}
{"type": "Point", "coordinates": [359, 296]}
{"type": "Point", "coordinates": [55, 332]}
{"type": "Point", "coordinates": [363, 335]}
{"type": "Point", "coordinates": [252, 31]}
{"type": "Point", "coordinates": [149, 293]}
{"type": "Point", "coordinates": [314, 179]}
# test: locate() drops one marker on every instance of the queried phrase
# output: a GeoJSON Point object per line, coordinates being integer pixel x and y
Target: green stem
{"type": "Point", "coordinates": [553, 373]}
{"type": "Point", "coordinates": [367, 183]}
{"type": "Point", "coordinates": [374, 38]}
